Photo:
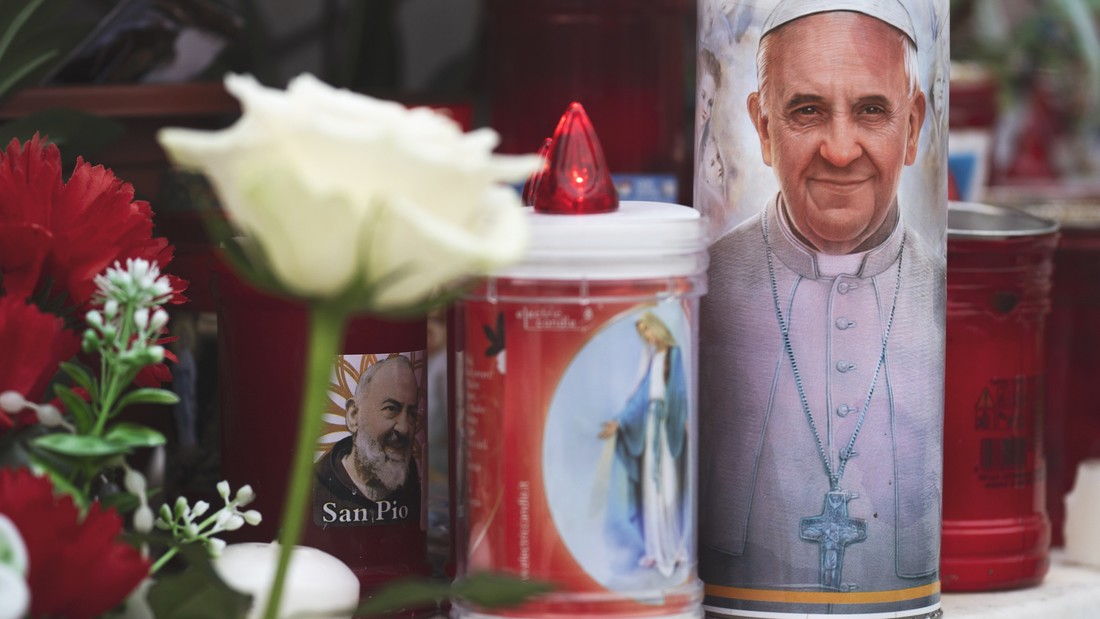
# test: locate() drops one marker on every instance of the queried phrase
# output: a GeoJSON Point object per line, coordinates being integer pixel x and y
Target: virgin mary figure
{"type": "Point", "coordinates": [650, 437]}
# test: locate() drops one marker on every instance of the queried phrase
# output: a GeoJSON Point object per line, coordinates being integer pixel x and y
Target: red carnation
{"type": "Point", "coordinates": [32, 344]}
{"type": "Point", "coordinates": [77, 568]}
{"type": "Point", "coordinates": [64, 234]}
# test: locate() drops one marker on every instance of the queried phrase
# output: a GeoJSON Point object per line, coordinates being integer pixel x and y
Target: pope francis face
{"type": "Point", "coordinates": [837, 119]}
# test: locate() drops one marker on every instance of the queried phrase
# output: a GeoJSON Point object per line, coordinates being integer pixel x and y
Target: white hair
{"type": "Point", "coordinates": [911, 65]}
{"type": "Point", "coordinates": [368, 375]}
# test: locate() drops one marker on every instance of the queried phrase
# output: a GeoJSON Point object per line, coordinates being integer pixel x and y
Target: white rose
{"type": "Point", "coordinates": [317, 583]}
{"type": "Point", "coordinates": [342, 191]}
{"type": "Point", "coordinates": [15, 595]}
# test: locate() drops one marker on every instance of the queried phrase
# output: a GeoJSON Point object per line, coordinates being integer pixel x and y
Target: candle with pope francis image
{"type": "Point", "coordinates": [821, 167]}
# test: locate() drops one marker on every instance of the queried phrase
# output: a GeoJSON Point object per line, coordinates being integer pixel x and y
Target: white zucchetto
{"type": "Point", "coordinates": [891, 12]}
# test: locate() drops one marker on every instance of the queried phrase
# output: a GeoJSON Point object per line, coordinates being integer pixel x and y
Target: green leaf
{"type": "Point", "coordinates": [129, 435]}
{"type": "Point", "coordinates": [404, 595]}
{"type": "Point", "coordinates": [81, 377]}
{"type": "Point", "coordinates": [17, 22]}
{"type": "Point", "coordinates": [494, 590]}
{"type": "Point", "coordinates": [147, 396]}
{"type": "Point", "coordinates": [74, 445]}
{"type": "Point", "coordinates": [76, 405]}
{"type": "Point", "coordinates": [60, 482]}
{"type": "Point", "coordinates": [197, 592]}
{"type": "Point", "coordinates": [487, 590]}
{"type": "Point", "coordinates": [75, 132]}
{"type": "Point", "coordinates": [11, 79]}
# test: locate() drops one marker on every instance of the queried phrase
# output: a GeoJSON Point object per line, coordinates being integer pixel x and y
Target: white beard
{"type": "Point", "coordinates": [377, 467]}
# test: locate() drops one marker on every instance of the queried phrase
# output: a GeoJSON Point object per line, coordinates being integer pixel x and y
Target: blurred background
{"type": "Point", "coordinates": [99, 77]}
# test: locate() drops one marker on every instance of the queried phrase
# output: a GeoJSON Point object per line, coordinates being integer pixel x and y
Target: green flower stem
{"type": "Point", "coordinates": [164, 558]}
{"type": "Point", "coordinates": [326, 330]}
{"type": "Point", "coordinates": [201, 537]}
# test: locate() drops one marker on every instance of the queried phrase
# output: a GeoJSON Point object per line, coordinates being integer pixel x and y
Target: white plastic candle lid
{"type": "Point", "coordinates": [641, 240]}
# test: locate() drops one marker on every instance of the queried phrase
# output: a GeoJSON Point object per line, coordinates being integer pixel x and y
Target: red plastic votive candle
{"type": "Point", "coordinates": [996, 534]}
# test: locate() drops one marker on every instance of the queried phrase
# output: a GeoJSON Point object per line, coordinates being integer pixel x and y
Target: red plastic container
{"type": "Point", "coordinates": [262, 347]}
{"type": "Point", "coordinates": [1073, 349]}
{"type": "Point", "coordinates": [996, 534]}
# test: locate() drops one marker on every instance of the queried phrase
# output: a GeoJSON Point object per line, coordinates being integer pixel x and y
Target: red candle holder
{"type": "Point", "coordinates": [996, 534]}
{"type": "Point", "coordinates": [262, 351]}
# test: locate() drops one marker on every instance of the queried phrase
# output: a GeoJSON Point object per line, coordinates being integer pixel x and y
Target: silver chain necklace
{"type": "Point", "coordinates": [833, 530]}
{"type": "Point", "coordinates": [847, 453]}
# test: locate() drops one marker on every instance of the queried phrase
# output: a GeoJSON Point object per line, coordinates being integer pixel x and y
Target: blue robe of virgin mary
{"type": "Point", "coordinates": [624, 512]}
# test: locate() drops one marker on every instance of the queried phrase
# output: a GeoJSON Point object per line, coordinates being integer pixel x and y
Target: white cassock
{"type": "Point", "coordinates": [760, 468]}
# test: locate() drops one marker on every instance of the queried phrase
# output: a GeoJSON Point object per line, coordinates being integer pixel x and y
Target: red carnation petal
{"type": "Point", "coordinates": [42, 342]}
{"type": "Point", "coordinates": [153, 376]}
{"type": "Point", "coordinates": [30, 179]}
{"type": "Point", "coordinates": [23, 249]}
{"type": "Point", "coordinates": [76, 568]}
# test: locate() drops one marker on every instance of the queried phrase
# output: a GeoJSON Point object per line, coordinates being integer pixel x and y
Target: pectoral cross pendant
{"type": "Point", "coordinates": [833, 531]}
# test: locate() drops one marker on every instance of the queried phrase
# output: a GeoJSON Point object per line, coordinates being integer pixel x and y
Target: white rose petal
{"type": "Point", "coordinates": [15, 596]}
{"type": "Point", "coordinates": [317, 584]}
{"type": "Point", "coordinates": [446, 251]}
{"type": "Point", "coordinates": [342, 192]}
{"type": "Point", "coordinates": [13, 552]}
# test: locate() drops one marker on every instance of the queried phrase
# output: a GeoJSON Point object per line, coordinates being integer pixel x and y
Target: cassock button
{"type": "Point", "coordinates": [844, 366]}
{"type": "Point", "coordinates": [844, 410]}
{"type": "Point", "coordinates": [844, 323]}
{"type": "Point", "coordinates": [844, 287]}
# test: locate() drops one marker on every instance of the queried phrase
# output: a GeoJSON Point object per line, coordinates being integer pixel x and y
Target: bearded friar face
{"type": "Point", "coordinates": [386, 461]}
{"type": "Point", "coordinates": [381, 417]}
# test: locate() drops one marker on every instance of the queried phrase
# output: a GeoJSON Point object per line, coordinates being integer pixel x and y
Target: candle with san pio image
{"type": "Point", "coordinates": [578, 385]}
{"type": "Point", "coordinates": [821, 167]}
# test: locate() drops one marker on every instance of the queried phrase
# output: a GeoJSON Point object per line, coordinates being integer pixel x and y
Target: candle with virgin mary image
{"type": "Point", "coordinates": [822, 337]}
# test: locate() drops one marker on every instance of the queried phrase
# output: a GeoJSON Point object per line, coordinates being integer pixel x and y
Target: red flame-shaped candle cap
{"type": "Point", "coordinates": [532, 184]}
{"type": "Point", "coordinates": [575, 179]}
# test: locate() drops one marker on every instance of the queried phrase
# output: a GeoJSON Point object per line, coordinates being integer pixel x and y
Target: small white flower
{"type": "Point", "coordinates": [216, 546]}
{"type": "Point", "coordinates": [134, 482]}
{"type": "Point", "coordinates": [234, 522]}
{"type": "Point", "coordinates": [222, 519]}
{"type": "Point", "coordinates": [141, 318]}
{"type": "Point", "coordinates": [110, 308]}
{"type": "Point", "coordinates": [223, 489]}
{"type": "Point", "coordinates": [12, 401]}
{"type": "Point", "coordinates": [199, 509]}
{"type": "Point", "coordinates": [94, 318]}
{"type": "Point", "coordinates": [156, 353]}
{"type": "Point", "coordinates": [181, 506]}
{"type": "Point", "coordinates": [253, 517]}
{"type": "Point", "coordinates": [143, 519]}
{"type": "Point", "coordinates": [160, 318]}
{"type": "Point", "coordinates": [245, 495]}
{"type": "Point", "coordinates": [139, 284]}
{"type": "Point", "coordinates": [49, 416]}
